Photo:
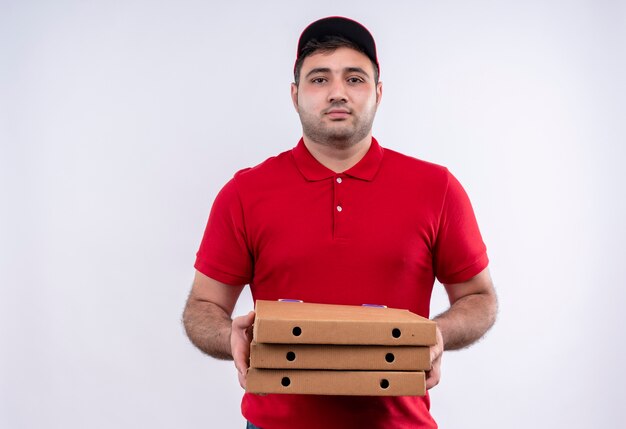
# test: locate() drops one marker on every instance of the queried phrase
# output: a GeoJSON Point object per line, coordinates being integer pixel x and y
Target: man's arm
{"type": "Point", "coordinates": [208, 323]}
{"type": "Point", "coordinates": [473, 308]}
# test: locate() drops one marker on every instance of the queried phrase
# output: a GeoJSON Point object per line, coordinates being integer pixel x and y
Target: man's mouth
{"type": "Point", "coordinates": [337, 113]}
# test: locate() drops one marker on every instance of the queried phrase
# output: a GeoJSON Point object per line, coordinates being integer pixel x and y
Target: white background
{"type": "Point", "coordinates": [120, 120]}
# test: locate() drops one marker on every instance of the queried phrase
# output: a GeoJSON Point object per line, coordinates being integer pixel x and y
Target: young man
{"type": "Point", "coordinates": [338, 219]}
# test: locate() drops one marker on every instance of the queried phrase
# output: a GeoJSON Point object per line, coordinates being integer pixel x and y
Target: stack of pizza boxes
{"type": "Point", "coordinates": [324, 349]}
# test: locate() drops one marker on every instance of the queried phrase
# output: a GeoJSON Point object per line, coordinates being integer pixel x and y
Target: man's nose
{"type": "Point", "coordinates": [337, 92]}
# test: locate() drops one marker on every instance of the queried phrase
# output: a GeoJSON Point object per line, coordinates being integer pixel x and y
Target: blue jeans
{"type": "Point", "coordinates": [251, 426]}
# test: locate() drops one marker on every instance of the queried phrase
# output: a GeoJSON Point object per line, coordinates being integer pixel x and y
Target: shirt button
{"type": "Point", "coordinates": [339, 208]}
{"type": "Point", "coordinates": [339, 180]}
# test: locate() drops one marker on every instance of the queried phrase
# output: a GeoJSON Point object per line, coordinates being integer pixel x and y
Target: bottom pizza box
{"type": "Point", "coordinates": [323, 382]}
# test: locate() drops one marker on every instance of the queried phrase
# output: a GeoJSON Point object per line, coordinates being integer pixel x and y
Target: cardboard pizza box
{"type": "Point", "coordinates": [308, 323]}
{"type": "Point", "coordinates": [347, 357]}
{"type": "Point", "coordinates": [321, 382]}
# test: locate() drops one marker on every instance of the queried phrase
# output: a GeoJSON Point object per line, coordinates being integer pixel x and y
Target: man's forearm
{"type": "Point", "coordinates": [467, 320]}
{"type": "Point", "coordinates": [208, 327]}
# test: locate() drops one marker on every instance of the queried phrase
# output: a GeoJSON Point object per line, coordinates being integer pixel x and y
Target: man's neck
{"type": "Point", "coordinates": [338, 159]}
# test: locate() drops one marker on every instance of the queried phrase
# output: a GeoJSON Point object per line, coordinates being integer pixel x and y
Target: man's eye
{"type": "Point", "coordinates": [318, 80]}
{"type": "Point", "coordinates": [355, 80]}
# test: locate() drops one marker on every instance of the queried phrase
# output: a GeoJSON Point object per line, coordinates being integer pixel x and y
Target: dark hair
{"type": "Point", "coordinates": [328, 44]}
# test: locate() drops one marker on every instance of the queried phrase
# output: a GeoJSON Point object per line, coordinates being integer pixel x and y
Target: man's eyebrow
{"type": "Point", "coordinates": [318, 70]}
{"type": "Point", "coordinates": [356, 70]}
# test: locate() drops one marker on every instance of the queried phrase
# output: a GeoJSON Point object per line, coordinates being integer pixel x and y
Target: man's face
{"type": "Point", "coordinates": [337, 97]}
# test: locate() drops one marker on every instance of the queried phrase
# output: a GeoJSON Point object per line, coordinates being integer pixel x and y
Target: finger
{"type": "Point", "coordinates": [242, 325]}
{"type": "Point", "coordinates": [434, 354]}
{"type": "Point", "coordinates": [241, 363]}
{"type": "Point", "coordinates": [241, 356]}
{"type": "Point", "coordinates": [434, 375]}
{"type": "Point", "coordinates": [242, 379]}
{"type": "Point", "coordinates": [242, 322]}
{"type": "Point", "coordinates": [250, 321]}
{"type": "Point", "coordinates": [432, 379]}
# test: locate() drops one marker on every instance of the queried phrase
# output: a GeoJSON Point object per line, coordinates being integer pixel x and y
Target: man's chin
{"type": "Point", "coordinates": [339, 135]}
{"type": "Point", "coordinates": [343, 141]}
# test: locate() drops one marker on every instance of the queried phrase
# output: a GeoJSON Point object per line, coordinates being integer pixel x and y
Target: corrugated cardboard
{"type": "Point", "coordinates": [353, 357]}
{"type": "Point", "coordinates": [307, 323]}
{"type": "Point", "coordinates": [361, 383]}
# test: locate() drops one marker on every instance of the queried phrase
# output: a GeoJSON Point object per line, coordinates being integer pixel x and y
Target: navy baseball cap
{"type": "Point", "coordinates": [343, 27]}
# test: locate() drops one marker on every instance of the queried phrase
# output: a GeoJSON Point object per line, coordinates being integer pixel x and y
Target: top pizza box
{"type": "Point", "coordinates": [308, 323]}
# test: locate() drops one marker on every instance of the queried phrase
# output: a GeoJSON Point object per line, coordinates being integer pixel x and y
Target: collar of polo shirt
{"type": "Point", "coordinates": [313, 170]}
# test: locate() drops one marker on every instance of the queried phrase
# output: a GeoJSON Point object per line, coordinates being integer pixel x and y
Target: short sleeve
{"type": "Point", "coordinates": [224, 255]}
{"type": "Point", "coordinates": [459, 252]}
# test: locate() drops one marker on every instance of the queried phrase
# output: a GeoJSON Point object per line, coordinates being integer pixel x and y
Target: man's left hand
{"type": "Point", "coordinates": [436, 352]}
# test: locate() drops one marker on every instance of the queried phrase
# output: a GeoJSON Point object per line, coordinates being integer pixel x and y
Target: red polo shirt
{"type": "Point", "coordinates": [378, 233]}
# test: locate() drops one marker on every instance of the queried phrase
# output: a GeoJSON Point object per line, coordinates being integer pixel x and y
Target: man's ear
{"type": "Point", "coordinates": [294, 95]}
{"type": "Point", "coordinates": [379, 92]}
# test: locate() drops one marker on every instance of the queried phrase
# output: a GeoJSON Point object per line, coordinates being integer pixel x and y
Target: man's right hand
{"type": "Point", "coordinates": [240, 338]}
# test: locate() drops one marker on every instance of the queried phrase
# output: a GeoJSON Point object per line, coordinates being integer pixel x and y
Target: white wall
{"type": "Point", "coordinates": [120, 120]}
